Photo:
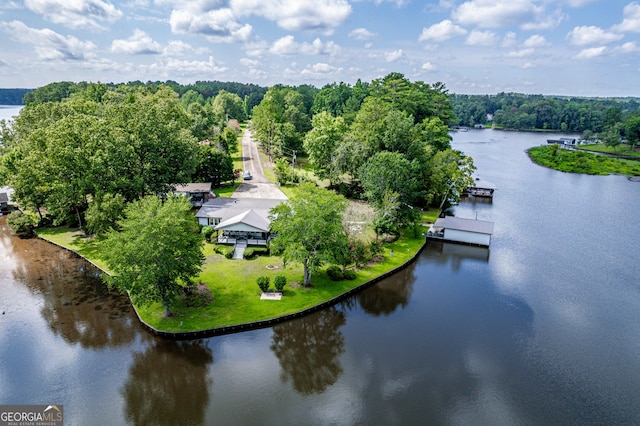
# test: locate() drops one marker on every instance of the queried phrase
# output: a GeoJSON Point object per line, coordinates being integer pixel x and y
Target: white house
{"type": "Point", "coordinates": [237, 219]}
{"type": "Point", "coordinates": [457, 229]}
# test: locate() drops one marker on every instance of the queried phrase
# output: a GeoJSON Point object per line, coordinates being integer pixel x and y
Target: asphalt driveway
{"type": "Point", "coordinates": [259, 186]}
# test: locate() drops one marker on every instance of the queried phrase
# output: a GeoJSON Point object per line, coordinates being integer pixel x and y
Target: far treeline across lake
{"type": "Point", "coordinates": [519, 111]}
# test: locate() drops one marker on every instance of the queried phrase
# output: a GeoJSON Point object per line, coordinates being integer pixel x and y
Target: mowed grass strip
{"type": "Point", "coordinates": [233, 283]}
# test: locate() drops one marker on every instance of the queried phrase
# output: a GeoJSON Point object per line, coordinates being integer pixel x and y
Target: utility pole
{"type": "Point", "coordinates": [293, 161]}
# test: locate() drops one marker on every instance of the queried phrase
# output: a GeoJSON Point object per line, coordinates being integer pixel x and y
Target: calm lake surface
{"type": "Point", "coordinates": [542, 328]}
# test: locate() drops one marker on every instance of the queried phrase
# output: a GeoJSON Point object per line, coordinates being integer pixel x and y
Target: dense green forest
{"type": "Point", "coordinates": [12, 96]}
{"type": "Point", "coordinates": [538, 112]}
{"type": "Point", "coordinates": [251, 94]}
{"type": "Point", "coordinates": [81, 151]}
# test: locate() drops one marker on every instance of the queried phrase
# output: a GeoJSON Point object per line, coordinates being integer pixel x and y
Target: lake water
{"type": "Point", "coordinates": [8, 112]}
{"type": "Point", "coordinates": [542, 328]}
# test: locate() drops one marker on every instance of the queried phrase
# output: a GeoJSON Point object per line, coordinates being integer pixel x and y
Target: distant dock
{"type": "Point", "coordinates": [480, 188]}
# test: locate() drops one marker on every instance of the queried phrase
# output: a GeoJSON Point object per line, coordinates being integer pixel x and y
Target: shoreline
{"type": "Point", "coordinates": [255, 325]}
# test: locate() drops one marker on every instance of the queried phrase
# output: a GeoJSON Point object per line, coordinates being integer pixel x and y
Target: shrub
{"type": "Point", "coordinates": [375, 248]}
{"type": "Point", "coordinates": [22, 224]}
{"type": "Point", "coordinates": [279, 282]}
{"type": "Point", "coordinates": [263, 283]}
{"type": "Point", "coordinates": [335, 273]}
{"type": "Point", "coordinates": [253, 252]}
{"type": "Point", "coordinates": [349, 274]}
{"type": "Point", "coordinates": [207, 232]}
{"type": "Point", "coordinates": [228, 254]}
{"type": "Point", "coordinates": [196, 295]}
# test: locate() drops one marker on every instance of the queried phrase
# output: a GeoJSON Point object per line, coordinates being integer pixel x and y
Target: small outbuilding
{"type": "Point", "coordinates": [460, 230]}
{"type": "Point", "coordinates": [197, 193]}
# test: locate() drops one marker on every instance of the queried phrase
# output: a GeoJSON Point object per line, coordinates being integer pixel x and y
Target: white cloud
{"type": "Point", "coordinates": [89, 14]}
{"type": "Point", "coordinates": [288, 46]}
{"type": "Point", "coordinates": [251, 63]}
{"type": "Point", "coordinates": [429, 67]}
{"type": "Point", "coordinates": [320, 70]}
{"type": "Point", "coordinates": [361, 34]}
{"type": "Point", "coordinates": [592, 52]}
{"type": "Point", "coordinates": [48, 44]}
{"type": "Point", "coordinates": [536, 40]}
{"type": "Point", "coordinates": [631, 20]}
{"type": "Point", "coordinates": [628, 47]}
{"type": "Point", "coordinates": [299, 15]}
{"type": "Point", "coordinates": [496, 13]}
{"type": "Point", "coordinates": [521, 53]}
{"type": "Point", "coordinates": [441, 31]}
{"type": "Point", "coordinates": [481, 38]}
{"type": "Point", "coordinates": [544, 22]}
{"type": "Point", "coordinates": [509, 39]}
{"type": "Point", "coordinates": [188, 68]}
{"type": "Point", "coordinates": [180, 48]}
{"type": "Point", "coordinates": [140, 43]}
{"type": "Point", "coordinates": [393, 56]}
{"type": "Point", "coordinates": [527, 65]}
{"type": "Point", "coordinates": [218, 25]}
{"type": "Point", "coordinates": [586, 35]}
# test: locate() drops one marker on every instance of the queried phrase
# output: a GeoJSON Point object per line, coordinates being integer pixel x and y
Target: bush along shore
{"type": "Point", "coordinates": [234, 302]}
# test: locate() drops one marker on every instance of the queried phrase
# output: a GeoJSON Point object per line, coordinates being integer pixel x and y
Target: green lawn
{"type": "Point", "coordinates": [623, 149]}
{"type": "Point", "coordinates": [574, 161]}
{"type": "Point", "coordinates": [233, 283]}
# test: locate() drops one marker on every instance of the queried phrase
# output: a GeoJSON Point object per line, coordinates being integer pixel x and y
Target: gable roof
{"type": "Point", "coordinates": [226, 208]}
{"type": "Point", "coordinates": [250, 218]}
{"type": "Point", "coordinates": [194, 187]}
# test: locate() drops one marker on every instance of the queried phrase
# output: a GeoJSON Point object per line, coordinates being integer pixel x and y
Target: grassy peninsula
{"type": "Point", "coordinates": [233, 282]}
{"type": "Point", "coordinates": [574, 161]}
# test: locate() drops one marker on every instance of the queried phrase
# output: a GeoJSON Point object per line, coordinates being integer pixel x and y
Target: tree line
{"type": "Point", "coordinates": [12, 96]}
{"type": "Point", "coordinates": [538, 112]}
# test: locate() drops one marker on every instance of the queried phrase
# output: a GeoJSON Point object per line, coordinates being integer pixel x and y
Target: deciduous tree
{"type": "Point", "coordinates": [159, 245]}
{"type": "Point", "coordinates": [309, 228]}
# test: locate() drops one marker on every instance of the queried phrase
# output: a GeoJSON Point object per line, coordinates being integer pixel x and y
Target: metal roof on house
{"type": "Point", "coordinates": [462, 224]}
{"type": "Point", "coordinates": [250, 218]}
{"type": "Point", "coordinates": [194, 187]}
{"type": "Point", "coordinates": [226, 208]}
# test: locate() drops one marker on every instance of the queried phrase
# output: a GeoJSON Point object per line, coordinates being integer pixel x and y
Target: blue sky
{"type": "Point", "coordinates": [552, 47]}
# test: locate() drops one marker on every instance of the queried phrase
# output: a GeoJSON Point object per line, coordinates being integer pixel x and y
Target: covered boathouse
{"type": "Point", "coordinates": [460, 230]}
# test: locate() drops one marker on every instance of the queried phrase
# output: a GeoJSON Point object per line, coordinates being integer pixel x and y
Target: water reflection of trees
{"type": "Point", "coordinates": [308, 350]}
{"type": "Point", "coordinates": [385, 297]}
{"type": "Point", "coordinates": [77, 305]}
{"type": "Point", "coordinates": [169, 384]}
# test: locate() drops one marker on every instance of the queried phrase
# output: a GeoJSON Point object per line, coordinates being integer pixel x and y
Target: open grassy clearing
{"type": "Point", "coordinates": [623, 149]}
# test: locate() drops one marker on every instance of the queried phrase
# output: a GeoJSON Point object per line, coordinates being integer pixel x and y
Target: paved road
{"type": "Point", "coordinates": [259, 186]}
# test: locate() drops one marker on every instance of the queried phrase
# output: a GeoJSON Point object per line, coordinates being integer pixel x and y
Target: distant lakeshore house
{"type": "Point", "coordinates": [237, 219]}
{"type": "Point", "coordinates": [197, 193]}
{"type": "Point", "coordinates": [564, 141]}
